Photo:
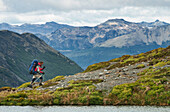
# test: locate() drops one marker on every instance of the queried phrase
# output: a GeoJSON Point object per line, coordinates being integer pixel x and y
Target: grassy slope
{"type": "Point", "coordinates": [152, 87]}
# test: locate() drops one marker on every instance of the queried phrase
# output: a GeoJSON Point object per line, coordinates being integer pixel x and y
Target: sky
{"type": "Point", "coordinates": [82, 12]}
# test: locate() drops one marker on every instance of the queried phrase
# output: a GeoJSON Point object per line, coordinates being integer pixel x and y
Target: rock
{"type": "Point", "coordinates": [101, 77]}
{"type": "Point", "coordinates": [25, 88]}
{"type": "Point", "coordinates": [122, 73]}
{"type": "Point", "coordinates": [134, 72]}
{"type": "Point", "coordinates": [124, 70]}
{"type": "Point", "coordinates": [108, 72]}
{"type": "Point", "coordinates": [116, 78]}
{"type": "Point", "coordinates": [107, 75]}
{"type": "Point", "coordinates": [100, 74]}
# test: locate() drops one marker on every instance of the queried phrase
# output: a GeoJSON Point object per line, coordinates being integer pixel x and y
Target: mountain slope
{"type": "Point", "coordinates": [141, 79]}
{"type": "Point", "coordinates": [153, 24]}
{"type": "Point", "coordinates": [156, 35]}
{"type": "Point", "coordinates": [17, 52]}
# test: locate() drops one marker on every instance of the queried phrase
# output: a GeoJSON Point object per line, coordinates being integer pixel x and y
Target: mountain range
{"type": "Point", "coordinates": [17, 52]}
{"type": "Point", "coordinates": [88, 45]}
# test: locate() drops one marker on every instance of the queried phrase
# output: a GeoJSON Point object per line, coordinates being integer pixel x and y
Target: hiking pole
{"type": "Point", "coordinates": [36, 79]}
{"type": "Point", "coordinates": [42, 75]}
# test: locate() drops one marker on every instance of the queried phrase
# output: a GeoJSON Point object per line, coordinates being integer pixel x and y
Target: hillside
{"type": "Point", "coordinates": [17, 52]}
{"type": "Point", "coordinates": [141, 79]}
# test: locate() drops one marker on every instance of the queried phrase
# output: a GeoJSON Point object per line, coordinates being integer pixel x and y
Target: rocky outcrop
{"type": "Point", "coordinates": [157, 35]}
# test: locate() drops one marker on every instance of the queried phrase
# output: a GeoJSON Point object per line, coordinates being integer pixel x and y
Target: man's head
{"type": "Point", "coordinates": [41, 63]}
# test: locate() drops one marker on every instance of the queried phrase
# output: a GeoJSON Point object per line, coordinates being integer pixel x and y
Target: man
{"type": "Point", "coordinates": [37, 74]}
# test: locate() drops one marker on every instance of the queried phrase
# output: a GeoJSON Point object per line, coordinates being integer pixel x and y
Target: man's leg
{"type": "Point", "coordinates": [41, 79]}
{"type": "Point", "coordinates": [33, 79]}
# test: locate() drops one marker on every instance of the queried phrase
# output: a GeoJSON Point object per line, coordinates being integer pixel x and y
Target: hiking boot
{"type": "Point", "coordinates": [40, 84]}
{"type": "Point", "coordinates": [30, 86]}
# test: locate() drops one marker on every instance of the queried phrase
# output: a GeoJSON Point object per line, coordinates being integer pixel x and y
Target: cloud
{"type": "Point", "coordinates": [87, 17]}
{"type": "Point", "coordinates": [2, 6]}
{"type": "Point", "coordinates": [67, 5]}
{"type": "Point", "coordinates": [83, 12]}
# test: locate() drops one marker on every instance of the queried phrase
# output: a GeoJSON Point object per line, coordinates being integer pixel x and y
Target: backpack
{"type": "Point", "coordinates": [33, 66]}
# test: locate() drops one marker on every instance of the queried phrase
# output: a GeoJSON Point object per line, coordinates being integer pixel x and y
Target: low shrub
{"type": "Point", "coordinates": [97, 66]}
{"type": "Point", "coordinates": [7, 89]}
{"type": "Point", "coordinates": [57, 78]}
{"type": "Point", "coordinates": [160, 64]}
{"type": "Point", "coordinates": [24, 85]}
{"type": "Point", "coordinates": [140, 66]}
{"type": "Point", "coordinates": [17, 95]}
{"type": "Point", "coordinates": [95, 100]}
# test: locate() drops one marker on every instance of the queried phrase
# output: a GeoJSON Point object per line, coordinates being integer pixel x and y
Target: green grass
{"type": "Point", "coordinates": [161, 64]}
{"type": "Point", "coordinates": [24, 85]}
{"type": "Point", "coordinates": [81, 92]}
{"type": "Point", "coordinates": [53, 81]}
{"type": "Point", "coordinates": [97, 66]}
{"type": "Point", "coordinates": [140, 66]}
{"type": "Point", "coordinates": [149, 89]}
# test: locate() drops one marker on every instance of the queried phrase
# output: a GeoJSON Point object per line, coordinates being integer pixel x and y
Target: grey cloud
{"type": "Point", "coordinates": [83, 12]}
{"type": "Point", "coordinates": [23, 5]}
{"type": "Point", "coordinates": [67, 5]}
{"type": "Point", "coordinates": [87, 17]}
{"type": "Point", "coordinates": [2, 6]}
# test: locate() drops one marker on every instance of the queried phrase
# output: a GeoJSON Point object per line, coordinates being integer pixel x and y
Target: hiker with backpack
{"type": "Point", "coordinates": [36, 70]}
